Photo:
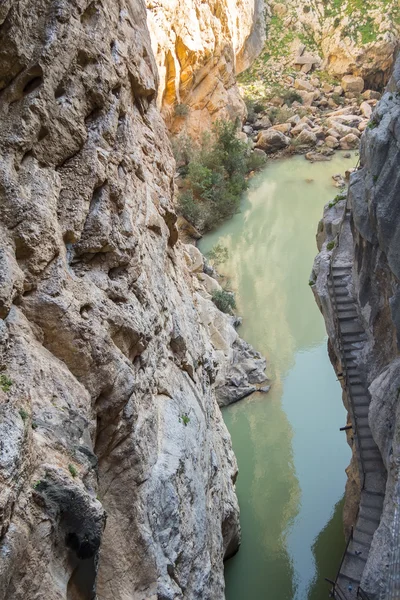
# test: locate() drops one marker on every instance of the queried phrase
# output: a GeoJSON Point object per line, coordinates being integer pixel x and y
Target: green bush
{"type": "Point", "coordinates": [256, 161]}
{"type": "Point", "coordinates": [214, 177]}
{"type": "Point", "coordinates": [330, 246]}
{"type": "Point", "coordinates": [218, 254]}
{"type": "Point", "coordinates": [224, 300]}
{"type": "Point", "coordinates": [181, 110]}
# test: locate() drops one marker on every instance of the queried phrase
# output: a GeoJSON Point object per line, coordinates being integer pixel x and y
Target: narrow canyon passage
{"type": "Point", "coordinates": [291, 454]}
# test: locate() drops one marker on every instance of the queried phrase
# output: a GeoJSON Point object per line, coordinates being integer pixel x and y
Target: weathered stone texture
{"type": "Point", "coordinates": [199, 48]}
{"type": "Point", "coordinates": [373, 245]}
{"type": "Point", "coordinates": [111, 410]}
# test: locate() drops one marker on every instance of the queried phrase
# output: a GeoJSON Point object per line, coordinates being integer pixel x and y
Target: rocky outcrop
{"type": "Point", "coordinates": [351, 37]}
{"type": "Point", "coordinates": [116, 469]}
{"type": "Point", "coordinates": [372, 243]}
{"type": "Point", "coordinates": [199, 49]}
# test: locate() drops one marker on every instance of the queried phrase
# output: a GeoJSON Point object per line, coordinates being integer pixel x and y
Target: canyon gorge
{"type": "Point", "coordinates": [117, 472]}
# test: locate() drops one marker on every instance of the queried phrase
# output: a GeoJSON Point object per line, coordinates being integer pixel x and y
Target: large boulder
{"type": "Point", "coordinates": [366, 109]}
{"type": "Point", "coordinates": [262, 123]}
{"type": "Point", "coordinates": [349, 142]}
{"type": "Point", "coordinates": [306, 138]}
{"type": "Point", "coordinates": [271, 141]}
{"type": "Point", "coordinates": [351, 83]}
{"type": "Point", "coordinates": [303, 85]}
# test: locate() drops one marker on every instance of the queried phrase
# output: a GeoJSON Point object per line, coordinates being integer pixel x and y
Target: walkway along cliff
{"type": "Point", "coordinates": [357, 275]}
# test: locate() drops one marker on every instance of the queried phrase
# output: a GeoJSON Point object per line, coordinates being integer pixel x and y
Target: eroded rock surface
{"type": "Point", "coordinates": [372, 244]}
{"type": "Point", "coordinates": [116, 468]}
{"type": "Point", "coordinates": [199, 48]}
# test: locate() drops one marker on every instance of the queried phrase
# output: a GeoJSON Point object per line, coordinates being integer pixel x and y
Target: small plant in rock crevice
{"type": "Point", "coordinates": [184, 418]}
{"type": "Point", "coordinates": [23, 414]}
{"type": "Point", "coordinates": [5, 383]}
{"type": "Point", "coordinates": [330, 246]}
{"type": "Point", "coordinates": [72, 470]}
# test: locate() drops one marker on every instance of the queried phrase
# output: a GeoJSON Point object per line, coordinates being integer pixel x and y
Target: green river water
{"type": "Point", "coordinates": [291, 454]}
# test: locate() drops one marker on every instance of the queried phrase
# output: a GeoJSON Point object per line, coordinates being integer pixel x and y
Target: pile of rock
{"type": "Point", "coordinates": [328, 118]}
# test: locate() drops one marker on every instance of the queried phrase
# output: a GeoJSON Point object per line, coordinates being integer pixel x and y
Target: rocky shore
{"type": "Point", "coordinates": [310, 116]}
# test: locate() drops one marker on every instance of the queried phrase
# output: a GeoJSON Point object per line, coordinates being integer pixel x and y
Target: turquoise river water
{"type": "Point", "coordinates": [291, 454]}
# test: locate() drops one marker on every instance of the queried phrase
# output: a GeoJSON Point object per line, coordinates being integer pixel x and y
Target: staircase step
{"type": "Point", "coordinates": [344, 583]}
{"type": "Point", "coordinates": [371, 500]}
{"type": "Point", "coordinates": [375, 482]}
{"type": "Point", "coordinates": [373, 465]}
{"type": "Point", "coordinates": [368, 443]}
{"type": "Point", "coordinates": [342, 300]}
{"type": "Point", "coordinates": [370, 514]}
{"type": "Point", "coordinates": [362, 539]}
{"type": "Point", "coordinates": [362, 423]}
{"type": "Point", "coordinates": [366, 525]}
{"type": "Point", "coordinates": [358, 390]}
{"type": "Point", "coordinates": [346, 315]}
{"type": "Point", "coordinates": [361, 411]}
{"type": "Point", "coordinates": [361, 401]}
{"type": "Point", "coordinates": [352, 568]}
{"type": "Point", "coordinates": [351, 327]}
{"type": "Point", "coordinates": [371, 454]}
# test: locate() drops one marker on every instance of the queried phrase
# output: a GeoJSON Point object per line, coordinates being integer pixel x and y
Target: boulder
{"type": "Point", "coordinates": [248, 129]}
{"type": "Point", "coordinates": [352, 84]}
{"type": "Point", "coordinates": [349, 142]}
{"type": "Point", "coordinates": [303, 85]}
{"type": "Point", "coordinates": [327, 88]}
{"type": "Point", "coordinates": [333, 133]}
{"type": "Point", "coordinates": [283, 128]}
{"type": "Point", "coordinates": [366, 109]}
{"type": "Point", "coordinates": [299, 128]}
{"type": "Point", "coordinates": [262, 123]}
{"type": "Point", "coordinates": [338, 90]}
{"type": "Point", "coordinates": [307, 97]}
{"type": "Point", "coordinates": [306, 138]}
{"type": "Point", "coordinates": [316, 157]}
{"type": "Point", "coordinates": [341, 128]}
{"type": "Point", "coordinates": [371, 95]}
{"type": "Point", "coordinates": [332, 142]}
{"type": "Point", "coordinates": [271, 140]}
{"type": "Point", "coordinates": [363, 125]}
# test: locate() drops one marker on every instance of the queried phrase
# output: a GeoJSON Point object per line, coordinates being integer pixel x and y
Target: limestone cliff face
{"type": "Point", "coordinates": [351, 37]}
{"type": "Point", "coordinates": [373, 244]}
{"type": "Point", "coordinates": [199, 48]}
{"type": "Point", "coordinates": [115, 463]}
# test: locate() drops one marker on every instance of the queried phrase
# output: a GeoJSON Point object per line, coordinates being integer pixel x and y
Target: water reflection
{"type": "Point", "coordinates": [290, 452]}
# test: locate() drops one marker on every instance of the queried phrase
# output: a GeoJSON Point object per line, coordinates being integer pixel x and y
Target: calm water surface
{"type": "Point", "coordinates": [291, 455]}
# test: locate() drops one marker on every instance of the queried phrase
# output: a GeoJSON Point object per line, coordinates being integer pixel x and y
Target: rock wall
{"type": "Point", "coordinates": [373, 243]}
{"type": "Point", "coordinates": [351, 37]}
{"type": "Point", "coordinates": [199, 48]}
{"type": "Point", "coordinates": [116, 468]}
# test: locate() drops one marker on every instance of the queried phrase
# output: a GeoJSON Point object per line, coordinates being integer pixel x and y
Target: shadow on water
{"type": "Point", "coordinates": [291, 455]}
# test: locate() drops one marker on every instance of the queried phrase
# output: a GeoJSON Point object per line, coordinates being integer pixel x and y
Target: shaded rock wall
{"type": "Point", "coordinates": [374, 244]}
{"type": "Point", "coordinates": [199, 48]}
{"type": "Point", "coordinates": [115, 463]}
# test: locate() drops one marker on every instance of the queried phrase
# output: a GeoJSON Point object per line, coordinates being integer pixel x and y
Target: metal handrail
{"type": "Point", "coordinates": [336, 591]}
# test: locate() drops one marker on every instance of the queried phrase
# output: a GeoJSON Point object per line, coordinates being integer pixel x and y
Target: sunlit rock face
{"type": "Point", "coordinates": [116, 469]}
{"type": "Point", "coordinates": [199, 48]}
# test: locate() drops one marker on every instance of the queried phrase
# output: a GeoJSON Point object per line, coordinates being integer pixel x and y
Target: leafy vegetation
{"type": "Point", "coordinates": [330, 246]}
{"type": "Point", "coordinates": [184, 418]}
{"type": "Point", "coordinates": [181, 110]}
{"type": "Point", "coordinates": [5, 383]}
{"type": "Point", "coordinates": [224, 300]}
{"type": "Point", "coordinates": [337, 199]}
{"type": "Point", "coordinates": [218, 254]}
{"type": "Point", "coordinates": [214, 176]}
{"type": "Point", "coordinates": [72, 470]}
{"type": "Point", "coordinates": [23, 414]}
